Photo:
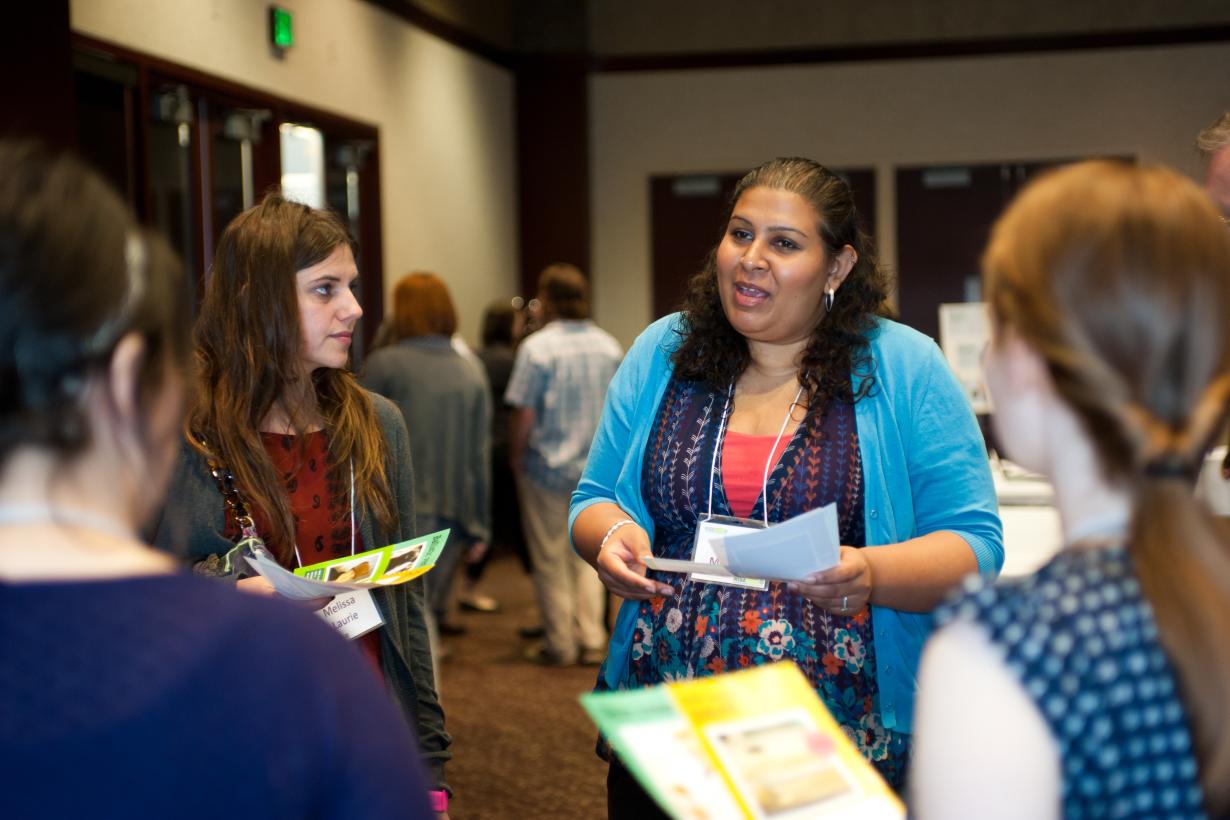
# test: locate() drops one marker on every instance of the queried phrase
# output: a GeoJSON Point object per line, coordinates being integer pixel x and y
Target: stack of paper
{"type": "Point", "coordinates": [788, 551]}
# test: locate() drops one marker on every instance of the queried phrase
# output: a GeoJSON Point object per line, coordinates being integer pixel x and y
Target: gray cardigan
{"type": "Point", "coordinates": [191, 526]}
{"type": "Point", "coordinates": [447, 406]}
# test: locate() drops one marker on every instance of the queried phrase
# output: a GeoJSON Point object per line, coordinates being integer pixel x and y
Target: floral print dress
{"type": "Point", "coordinates": [708, 628]}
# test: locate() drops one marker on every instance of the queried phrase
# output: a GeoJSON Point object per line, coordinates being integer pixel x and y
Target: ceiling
{"type": "Point", "coordinates": [620, 29]}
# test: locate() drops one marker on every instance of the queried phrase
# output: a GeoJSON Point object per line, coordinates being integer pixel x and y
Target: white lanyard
{"type": "Point", "coordinates": [768, 464]}
{"type": "Point", "coordinates": [298, 559]}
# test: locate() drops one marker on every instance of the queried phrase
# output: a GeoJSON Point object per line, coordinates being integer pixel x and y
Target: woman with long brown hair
{"type": "Point", "coordinates": [280, 427]}
{"type": "Point", "coordinates": [1099, 686]}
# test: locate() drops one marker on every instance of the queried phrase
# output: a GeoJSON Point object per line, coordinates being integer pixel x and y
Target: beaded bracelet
{"type": "Point", "coordinates": [611, 531]}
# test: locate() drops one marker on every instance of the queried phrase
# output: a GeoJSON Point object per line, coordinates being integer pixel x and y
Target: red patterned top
{"type": "Point", "coordinates": [320, 504]}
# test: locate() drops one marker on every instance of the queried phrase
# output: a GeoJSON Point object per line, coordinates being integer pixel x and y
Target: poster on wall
{"type": "Point", "coordinates": [965, 329]}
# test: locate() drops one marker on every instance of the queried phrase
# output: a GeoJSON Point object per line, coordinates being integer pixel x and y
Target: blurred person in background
{"type": "Point", "coordinates": [127, 687]}
{"type": "Point", "coordinates": [1213, 143]}
{"type": "Point", "coordinates": [557, 388]}
{"type": "Point", "coordinates": [443, 395]}
{"type": "Point", "coordinates": [501, 330]}
{"type": "Point", "coordinates": [1098, 686]}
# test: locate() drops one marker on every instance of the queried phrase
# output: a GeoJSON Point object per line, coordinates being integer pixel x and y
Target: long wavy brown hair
{"type": "Point", "coordinates": [1119, 278]}
{"type": "Point", "coordinates": [248, 359]}
{"type": "Point", "coordinates": [712, 351]}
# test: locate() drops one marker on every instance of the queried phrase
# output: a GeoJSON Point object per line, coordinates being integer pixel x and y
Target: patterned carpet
{"type": "Point", "coordinates": [522, 745]}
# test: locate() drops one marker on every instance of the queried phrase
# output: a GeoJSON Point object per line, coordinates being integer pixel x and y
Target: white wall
{"type": "Point", "coordinates": [446, 120]}
{"type": "Point", "coordinates": [1146, 102]}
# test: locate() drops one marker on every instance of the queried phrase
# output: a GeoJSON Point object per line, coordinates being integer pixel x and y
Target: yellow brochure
{"type": "Point", "coordinates": [764, 732]}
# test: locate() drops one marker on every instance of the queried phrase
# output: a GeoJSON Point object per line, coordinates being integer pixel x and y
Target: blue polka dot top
{"type": "Point", "coordinates": [1081, 638]}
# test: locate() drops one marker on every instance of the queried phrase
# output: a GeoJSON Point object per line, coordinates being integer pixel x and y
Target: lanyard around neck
{"type": "Point", "coordinates": [299, 559]}
{"type": "Point", "coordinates": [768, 464]}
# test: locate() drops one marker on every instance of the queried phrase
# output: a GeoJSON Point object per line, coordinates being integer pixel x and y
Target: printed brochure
{"type": "Point", "coordinates": [386, 566]}
{"type": "Point", "coordinates": [757, 743]}
{"type": "Point", "coordinates": [394, 564]}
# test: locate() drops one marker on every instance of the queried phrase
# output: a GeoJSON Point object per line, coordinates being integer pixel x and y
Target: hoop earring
{"type": "Point", "coordinates": [828, 301]}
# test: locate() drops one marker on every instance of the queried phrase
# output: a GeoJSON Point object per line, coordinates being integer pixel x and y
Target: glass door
{"type": "Point", "coordinates": [171, 176]}
{"type": "Point", "coordinates": [347, 173]}
{"type": "Point", "coordinates": [191, 151]}
{"type": "Point", "coordinates": [231, 163]}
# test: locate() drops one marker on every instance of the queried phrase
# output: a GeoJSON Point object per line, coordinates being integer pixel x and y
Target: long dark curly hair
{"type": "Point", "coordinates": [713, 352]}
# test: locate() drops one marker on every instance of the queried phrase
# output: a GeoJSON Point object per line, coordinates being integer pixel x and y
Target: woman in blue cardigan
{"type": "Point", "coordinates": [777, 390]}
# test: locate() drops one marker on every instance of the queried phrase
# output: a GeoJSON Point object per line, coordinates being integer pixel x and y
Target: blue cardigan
{"type": "Point", "coordinates": [924, 470]}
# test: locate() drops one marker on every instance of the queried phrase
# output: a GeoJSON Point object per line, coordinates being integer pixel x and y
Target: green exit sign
{"type": "Point", "coordinates": [281, 28]}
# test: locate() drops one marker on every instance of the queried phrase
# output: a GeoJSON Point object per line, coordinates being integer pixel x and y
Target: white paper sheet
{"type": "Point", "coordinates": [788, 551]}
{"type": "Point", "coordinates": [293, 586]}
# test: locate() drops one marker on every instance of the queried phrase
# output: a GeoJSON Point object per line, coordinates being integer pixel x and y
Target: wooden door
{"type": "Point", "coordinates": [944, 215]}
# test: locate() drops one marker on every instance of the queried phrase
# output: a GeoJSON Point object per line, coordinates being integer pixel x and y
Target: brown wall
{"type": "Point", "coordinates": [552, 164]}
{"type": "Point", "coordinates": [38, 91]}
{"type": "Point", "coordinates": [640, 27]}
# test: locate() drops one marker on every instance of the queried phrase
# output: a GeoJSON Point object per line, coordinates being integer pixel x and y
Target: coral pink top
{"type": "Point", "coordinates": [743, 460]}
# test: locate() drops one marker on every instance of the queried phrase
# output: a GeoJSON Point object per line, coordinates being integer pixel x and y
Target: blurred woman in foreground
{"type": "Point", "coordinates": [1097, 687]}
{"type": "Point", "coordinates": [127, 688]}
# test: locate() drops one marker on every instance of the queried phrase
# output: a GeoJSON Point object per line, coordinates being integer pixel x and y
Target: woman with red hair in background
{"type": "Point", "coordinates": [443, 395]}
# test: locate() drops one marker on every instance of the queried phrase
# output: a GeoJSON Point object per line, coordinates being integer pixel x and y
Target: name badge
{"type": "Point", "coordinates": [352, 613]}
{"type": "Point", "coordinates": [705, 553]}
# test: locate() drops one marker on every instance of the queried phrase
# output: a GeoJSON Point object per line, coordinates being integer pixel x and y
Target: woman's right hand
{"type": "Point", "coordinates": [621, 568]}
{"type": "Point", "coordinates": [256, 585]}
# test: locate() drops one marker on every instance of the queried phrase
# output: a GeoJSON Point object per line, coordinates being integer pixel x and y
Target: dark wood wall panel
{"type": "Point", "coordinates": [944, 217]}
{"type": "Point", "coordinates": [552, 164]}
{"type": "Point", "coordinates": [37, 98]}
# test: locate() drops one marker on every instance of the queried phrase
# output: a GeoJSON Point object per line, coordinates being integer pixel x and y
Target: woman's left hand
{"type": "Point", "coordinates": [844, 589]}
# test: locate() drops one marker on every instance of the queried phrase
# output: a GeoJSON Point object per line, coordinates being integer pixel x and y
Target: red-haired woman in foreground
{"type": "Point", "coordinates": [1097, 687]}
